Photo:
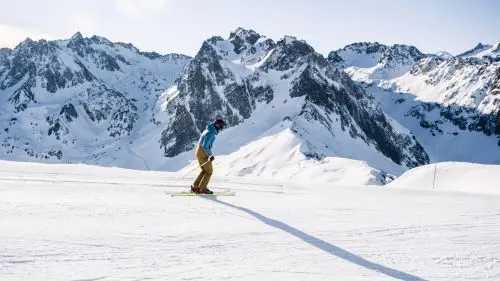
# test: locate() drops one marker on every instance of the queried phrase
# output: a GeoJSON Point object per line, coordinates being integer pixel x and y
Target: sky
{"type": "Point", "coordinates": [181, 26]}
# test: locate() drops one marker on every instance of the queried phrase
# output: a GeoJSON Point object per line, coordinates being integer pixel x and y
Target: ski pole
{"type": "Point", "coordinates": [192, 170]}
{"type": "Point", "coordinates": [206, 162]}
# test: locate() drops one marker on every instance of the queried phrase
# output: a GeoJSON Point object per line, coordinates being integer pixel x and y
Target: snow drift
{"type": "Point", "coordinates": [452, 176]}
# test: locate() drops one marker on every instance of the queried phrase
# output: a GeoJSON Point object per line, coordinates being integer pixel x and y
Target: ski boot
{"type": "Point", "coordinates": [205, 191]}
{"type": "Point", "coordinates": [194, 189]}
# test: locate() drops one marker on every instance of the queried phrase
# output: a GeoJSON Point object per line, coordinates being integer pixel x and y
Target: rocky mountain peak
{"type": "Point", "coordinates": [354, 54]}
{"type": "Point", "coordinates": [481, 46]}
{"type": "Point", "coordinates": [477, 49]}
{"type": "Point", "coordinates": [366, 47]}
{"type": "Point", "coordinates": [127, 46]}
{"type": "Point", "coordinates": [25, 44]}
{"type": "Point", "coordinates": [496, 47]}
{"type": "Point", "coordinates": [78, 43]}
{"type": "Point", "coordinates": [77, 36]}
{"type": "Point", "coordinates": [241, 35]}
{"type": "Point", "coordinates": [248, 45]}
{"type": "Point", "coordinates": [289, 52]}
{"type": "Point", "coordinates": [40, 47]}
{"type": "Point", "coordinates": [208, 51]}
{"type": "Point", "coordinates": [402, 54]}
{"type": "Point", "coordinates": [101, 40]}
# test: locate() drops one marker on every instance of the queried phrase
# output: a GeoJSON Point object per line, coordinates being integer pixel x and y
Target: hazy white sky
{"type": "Point", "coordinates": [180, 26]}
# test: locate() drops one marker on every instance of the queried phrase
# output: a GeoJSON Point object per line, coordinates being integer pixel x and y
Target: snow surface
{"type": "Point", "coordinates": [77, 222]}
{"type": "Point", "coordinates": [452, 176]}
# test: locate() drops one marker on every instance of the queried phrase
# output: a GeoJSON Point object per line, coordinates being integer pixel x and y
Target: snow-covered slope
{"type": "Point", "coordinates": [75, 222]}
{"type": "Point", "coordinates": [452, 104]}
{"type": "Point", "coordinates": [280, 156]}
{"type": "Point", "coordinates": [452, 176]}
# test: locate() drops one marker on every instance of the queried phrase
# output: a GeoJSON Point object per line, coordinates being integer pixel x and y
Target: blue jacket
{"type": "Point", "coordinates": [207, 138]}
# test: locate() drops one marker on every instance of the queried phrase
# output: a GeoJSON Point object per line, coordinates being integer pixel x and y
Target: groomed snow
{"type": "Point", "coordinates": [76, 222]}
{"type": "Point", "coordinates": [452, 176]}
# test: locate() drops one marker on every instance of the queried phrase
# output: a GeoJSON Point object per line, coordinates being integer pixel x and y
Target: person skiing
{"type": "Point", "coordinates": [204, 155]}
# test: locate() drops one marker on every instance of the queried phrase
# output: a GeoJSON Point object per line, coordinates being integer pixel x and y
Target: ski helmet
{"type": "Point", "coordinates": [219, 124]}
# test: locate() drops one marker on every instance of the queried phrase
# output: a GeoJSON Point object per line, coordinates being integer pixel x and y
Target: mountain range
{"type": "Point", "coordinates": [367, 111]}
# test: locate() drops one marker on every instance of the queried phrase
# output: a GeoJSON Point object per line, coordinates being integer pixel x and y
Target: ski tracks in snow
{"type": "Point", "coordinates": [61, 223]}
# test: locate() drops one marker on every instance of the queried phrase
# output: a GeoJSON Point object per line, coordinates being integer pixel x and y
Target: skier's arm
{"type": "Point", "coordinates": [207, 141]}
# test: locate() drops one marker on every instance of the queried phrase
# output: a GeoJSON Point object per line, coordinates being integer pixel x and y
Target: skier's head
{"type": "Point", "coordinates": [219, 124]}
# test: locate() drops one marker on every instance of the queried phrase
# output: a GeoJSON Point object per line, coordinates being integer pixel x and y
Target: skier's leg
{"type": "Point", "coordinates": [208, 170]}
{"type": "Point", "coordinates": [199, 178]}
{"type": "Point", "coordinates": [202, 158]}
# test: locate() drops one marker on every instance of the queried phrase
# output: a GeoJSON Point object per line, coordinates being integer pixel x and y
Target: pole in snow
{"type": "Point", "coordinates": [435, 166]}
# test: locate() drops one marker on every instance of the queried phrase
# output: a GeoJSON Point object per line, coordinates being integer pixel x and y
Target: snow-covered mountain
{"type": "Point", "coordinates": [452, 104]}
{"type": "Point", "coordinates": [444, 55]}
{"type": "Point", "coordinates": [78, 99]}
{"type": "Point", "coordinates": [483, 51]}
{"type": "Point", "coordinates": [279, 92]}
{"type": "Point", "coordinates": [383, 61]}
{"type": "Point", "coordinates": [290, 111]}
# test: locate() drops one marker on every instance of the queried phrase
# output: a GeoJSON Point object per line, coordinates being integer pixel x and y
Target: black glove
{"type": "Point", "coordinates": [212, 158]}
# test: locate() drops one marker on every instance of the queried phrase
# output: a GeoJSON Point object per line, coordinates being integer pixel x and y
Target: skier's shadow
{"type": "Point", "coordinates": [323, 245]}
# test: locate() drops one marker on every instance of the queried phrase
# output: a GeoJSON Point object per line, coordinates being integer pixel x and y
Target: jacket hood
{"type": "Point", "coordinates": [211, 128]}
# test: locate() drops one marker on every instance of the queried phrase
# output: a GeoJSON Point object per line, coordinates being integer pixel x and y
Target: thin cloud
{"type": "Point", "coordinates": [85, 23]}
{"type": "Point", "coordinates": [139, 9]}
{"type": "Point", "coordinates": [13, 35]}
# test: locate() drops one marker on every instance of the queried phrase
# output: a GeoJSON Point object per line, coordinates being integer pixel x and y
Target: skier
{"type": "Point", "coordinates": [205, 157]}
